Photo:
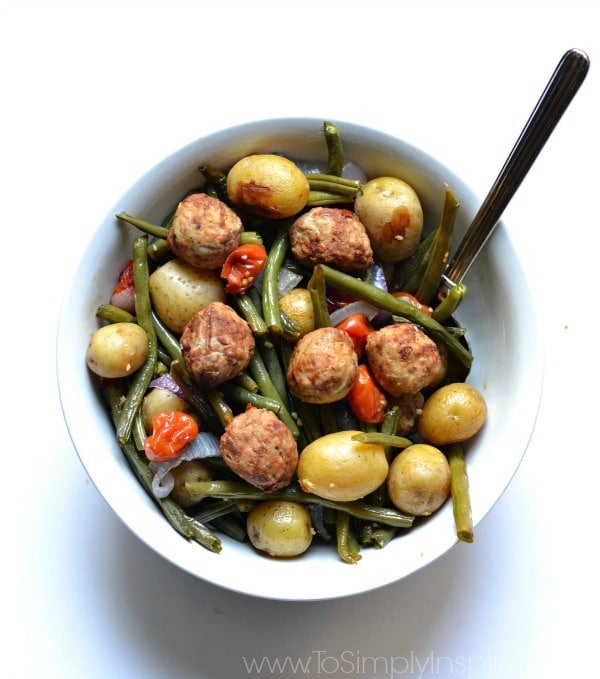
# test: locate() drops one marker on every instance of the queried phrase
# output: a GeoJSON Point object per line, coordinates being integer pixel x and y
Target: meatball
{"type": "Point", "coordinates": [216, 344]}
{"type": "Point", "coordinates": [204, 231]}
{"type": "Point", "coordinates": [403, 358]}
{"type": "Point", "coordinates": [333, 236]}
{"type": "Point", "coordinates": [261, 449]}
{"type": "Point", "coordinates": [323, 366]}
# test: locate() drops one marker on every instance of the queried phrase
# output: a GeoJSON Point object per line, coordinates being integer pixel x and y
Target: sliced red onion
{"type": "Point", "coordinates": [124, 299]}
{"type": "Point", "coordinates": [205, 444]}
{"type": "Point", "coordinates": [353, 171]}
{"type": "Point", "coordinates": [378, 277]}
{"type": "Point", "coordinates": [168, 383]}
{"type": "Point", "coordinates": [287, 280]}
{"type": "Point", "coordinates": [358, 307]}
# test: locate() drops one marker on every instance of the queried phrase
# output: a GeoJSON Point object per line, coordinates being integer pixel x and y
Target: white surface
{"type": "Point", "coordinates": [86, 83]}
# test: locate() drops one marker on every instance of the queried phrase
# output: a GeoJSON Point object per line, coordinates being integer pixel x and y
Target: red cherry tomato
{"type": "Point", "coordinates": [123, 295]}
{"type": "Point", "coordinates": [336, 299]}
{"type": "Point", "coordinates": [171, 432]}
{"type": "Point", "coordinates": [411, 299]}
{"type": "Point", "coordinates": [359, 328]}
{"type": "Point", "coordinates": [366, 399]}
{"type": "Point", "coordinates": [242, 266]}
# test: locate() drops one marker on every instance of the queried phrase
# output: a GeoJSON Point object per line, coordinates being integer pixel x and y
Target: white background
{"type": "Point", "coordinates": [95, 93]}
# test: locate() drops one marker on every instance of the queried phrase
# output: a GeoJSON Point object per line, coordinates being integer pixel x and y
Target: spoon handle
{"type": "Point", "coordinates": [555, 99]}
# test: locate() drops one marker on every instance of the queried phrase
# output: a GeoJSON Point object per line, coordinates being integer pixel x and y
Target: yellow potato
{"type": "Point", "coordinates": [297, 305]}
{"type": "Point", "coordinates": [268, 184]}
{"type": "Point", "coordinates": [117, 350]}
{"type": "Point", "coordinates": [453, 413]}
{"type": "Point", "coordinates": [178, 291]}
{"type": "Point", "coordinates": [280, 528]}
{"type": "Point", "coordinates": [335, 467]}
{"type": "Point", "coordinates": [391, 212]}
{"type": "Point", "coordinates": [419, 480]}
{"type": "Point", "coordinates": [160, 401]}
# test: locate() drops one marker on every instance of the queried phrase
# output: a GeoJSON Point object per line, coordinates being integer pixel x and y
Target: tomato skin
{"type": "Point", "coordinates": [366, 399]}
{"type": "Point", "coordinates": [125, 278]}
{"type": "Point", "coordinates": [336, 299]}
{"type": "Point", "coordinates": [411, 299]}
{"type": "Point", "coordinates": [171, 432]}
{"type": "Point", "coordinates": [358, 328]}
{"type": "Point", "coordinates": [242, 266]}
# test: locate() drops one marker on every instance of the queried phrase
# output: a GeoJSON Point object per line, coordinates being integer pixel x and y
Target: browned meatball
{"type": "Point", "coordinates": [403, 358]}
{"type": "Point", "coordinates": [323, 366]}
{"type": "Point", "coordinates": [204, 231]}
{"type": "Point", "coordinates": [217, 344]}
{"type": "Point", "coordinates": [333, 236]}
{"type": "Point", "coordinates": [260, 449]}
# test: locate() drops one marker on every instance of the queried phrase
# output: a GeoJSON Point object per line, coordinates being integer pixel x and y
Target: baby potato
{"type": "Point", "coordinates": [297, 305]}
{"type": "Point", "coordinates": [280, 528]}
{"type": "Point", "coordinates": [391, 212]}
{"type": "Point", "coordinates": [335, 467]}
{"type": "Point", "coordinates": [178, 291]}
{"type": "Point", "coordinates": [117, 350]}
{"type": "Point", "coordinates": [453, 413]}
{"type": "Point", "coordinates": [419, 480]}
{"type": "Point", "coordinates": [188, 470]}
{"type": "Point", "coordinates": [160, 401]}
{"type": "Point", "coordinates": [268, 185]}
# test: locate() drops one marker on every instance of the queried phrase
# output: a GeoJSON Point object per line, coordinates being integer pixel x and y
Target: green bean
{"type": "Point", "coordinates": [213, 510]}
{"type": "Point", "coordinates": [243, 397]}
{"type": "Point", "coordinates": [138, 431]}
{"type": "Point", "coordinates": [316, 287]}
{"type": "Point", "coordinates": [270, 294]}
{"type": "Point", "coordinates": [261, 375]}
{"type": "Point", "coordinates": [220, 407]}
{"type": "Point", "coordinates": [335, 148]}
{"type": "Point", "coordinates": [268, 353]}
{"type": "Point", "coordinates": [159, 250]}
{"type": "Point", "coordinates": [143, 225]}
{"type": "Point", "coordinates": [289, 329]}
{"type": "Point", "coordinates": [142, 378]}
{"type": "Point", "coordinates": [218, 180]}
{"type": "Point", "coordinates": [230, 525]}
{"type": "Point", "coordinates": [334, 185]}
{"type": "Point", "coordinates": [459, 488]}
{"type": "Point", "coordinates": [347, 547]}
{"type": "Point", "coordinates": [438, 258]}
{"type": "Point", "coordinates": [198, 399]}
{"type": "Point", "coordinates": [239, 490]}
{"type": "Point", "coordinates": [384, 439]}
{"type": "Point", "coordinates": [114, 314]}
{"type": "Point", "coordinates": [185, 525]}
{"type": "Point", "coordinates": [450, 303]}
{"type": "Point", "coordinates": [246, 308]}
{"type": "Point", "coordinates": [385, 300]}
{"type": "Point", "coordinates": [251, 238]}
{"type": "Point", "coordinates": [244, 380]}
{"type": "Point", "coordinates": [322, 198]}
{"type": "Point", "coordinates": [409, 272]}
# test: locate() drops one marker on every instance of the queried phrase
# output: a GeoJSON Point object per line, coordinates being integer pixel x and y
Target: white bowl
{"type": "Point", "coordinates": [504, 337]}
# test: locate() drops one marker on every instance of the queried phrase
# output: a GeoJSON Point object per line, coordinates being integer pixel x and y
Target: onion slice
{"type": "Point", "coordinates": [167, 383]}
{"type": "Point", "coordinates": [205, 444]}
{"type": "Point", "coordinates": [358, 307]}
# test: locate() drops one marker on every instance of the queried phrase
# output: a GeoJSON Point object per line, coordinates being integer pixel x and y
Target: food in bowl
{"type": "Point", "coordinates": [496, 327]}
{"type": "Point", "coordinates": [240, 419]}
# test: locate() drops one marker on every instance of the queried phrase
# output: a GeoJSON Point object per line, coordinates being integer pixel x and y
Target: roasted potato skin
{"type": "Point", "coordinates": [280, 528]}
{"type": "Point", "coordinates": [117, 350]}
{"type": "Point", "coordinates": [453, 413]}
{"type": "Point", "coordinates": [392, 214]}
{"type": "Point", "coordinates": [335, 467]}
{"type": "Point", "coordinates": [418, 481]}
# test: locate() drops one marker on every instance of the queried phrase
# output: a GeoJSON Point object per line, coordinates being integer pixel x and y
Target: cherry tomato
{"type": "Point", "coordinates": [336, 299]}
{"type": "Point", "coordinates": [366, 399]}
{"type": "Point", "coordinates": [242, 266]}
{"type": "Point", "coordinates": [171, 432]}
{"type": "Point", "coordinates": [358, 327]}
{"type": "Point", "coordinates": [124, 293]}
{"type": "Point", "coordinates": [411, 299]}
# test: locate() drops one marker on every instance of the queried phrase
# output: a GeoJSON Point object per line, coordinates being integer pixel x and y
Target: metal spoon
{"type": "Point", "coordinates": [558, 94]}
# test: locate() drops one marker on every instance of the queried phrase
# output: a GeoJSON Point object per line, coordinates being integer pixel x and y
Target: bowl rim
{"type": "Point", "coordinates": [207, 566]}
